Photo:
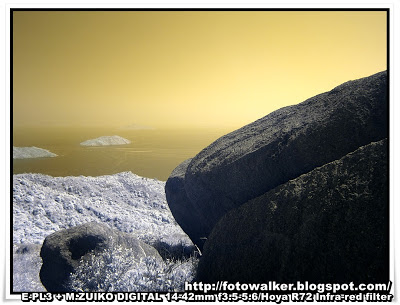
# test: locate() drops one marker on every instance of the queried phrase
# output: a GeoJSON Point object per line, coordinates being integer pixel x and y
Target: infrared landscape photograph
{"type": "Point", "coordinates": [156, 149]}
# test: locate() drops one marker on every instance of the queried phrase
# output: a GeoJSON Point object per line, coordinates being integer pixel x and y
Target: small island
{"type": "Point", "coordinates": [31, 152]}
{"type": "Point", "coordinates": [106, 141]}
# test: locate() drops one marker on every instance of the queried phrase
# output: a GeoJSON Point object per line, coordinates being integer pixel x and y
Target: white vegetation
{"type": "Point", "coordinates": [43, 204]}
{"type": "Point", "coordinates": [127, 202]}
{"type": "Point", "coordinates": [117, 270]}
{"type": "Point", "coordinates": [26, 267]}
{"type": "Point", "coordinates": [106, 141]}
{"type": "Point", "coordinates": [31, 152]}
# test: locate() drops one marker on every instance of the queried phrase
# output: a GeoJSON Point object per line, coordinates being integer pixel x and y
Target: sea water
{"type": "Point", "coordinates": [153, 153]}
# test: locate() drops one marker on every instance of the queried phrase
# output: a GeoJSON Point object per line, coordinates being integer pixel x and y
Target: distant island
{"type": "Point", "coordinates": [106, 141]}
{"type": "Point", "coordinates": [31, 152]}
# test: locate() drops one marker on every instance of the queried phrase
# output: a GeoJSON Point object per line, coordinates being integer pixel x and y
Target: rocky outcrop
{"type": "Point", "coordinates": [279, 147]}
{"type": "Point", "coordinates": [63, 250]}
{"type": "Point", "coordinates": [328, 225]}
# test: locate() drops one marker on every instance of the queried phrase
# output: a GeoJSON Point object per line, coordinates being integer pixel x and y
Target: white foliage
{"type": "Point", "coordinates": [26, 268]}
{"type": "Point", "coordinates": [127, 202]}
{"type": "Point", "coordinates": [43, 204]}
{"type": "Point", "coordinates": [117, 270]}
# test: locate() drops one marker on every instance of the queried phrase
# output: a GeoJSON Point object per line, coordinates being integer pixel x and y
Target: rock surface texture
{"type": "Point", "coordinates": [328, 225]}
{"type": "Point", "coordinates": [279, 147]}
{"type": "Point", "coordinates": [62, 251]}
{"type": "Point", "coordinates": [175, 192]}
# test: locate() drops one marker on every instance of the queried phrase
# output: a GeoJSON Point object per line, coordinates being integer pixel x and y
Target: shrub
{"type": "Point", "coordinates": [117, 269]}
{"type": "Point", "coordinates": [26, 266]}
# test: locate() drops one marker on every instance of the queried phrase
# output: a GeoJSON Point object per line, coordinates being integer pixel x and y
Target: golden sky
{"type": "Point", "coordinates": [184, 68]}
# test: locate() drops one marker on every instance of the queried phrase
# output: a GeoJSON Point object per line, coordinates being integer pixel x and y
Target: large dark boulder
{"type": "Point", "coordinates": [63, 250]}
{"type": "Point", "coordinates": [329, 225]}
{"type": "Point", "coordinates": [190, 219]}
{"type": "Point", "coordinates": [276, 148]}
